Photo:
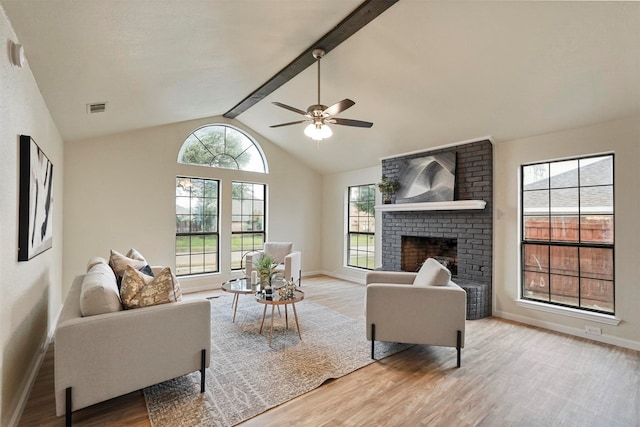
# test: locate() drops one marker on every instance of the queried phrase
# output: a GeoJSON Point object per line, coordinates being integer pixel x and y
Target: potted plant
{"type": "Point", "coordinates": [388, 187]}
{"type": "Point", "coordinates": [266, 267]}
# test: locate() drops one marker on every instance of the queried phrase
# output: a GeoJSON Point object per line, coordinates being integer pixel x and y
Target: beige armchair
{"type": "Point", "coordinates": [290, 261]}
{"type": "Point", "coordinates": [416, 308]}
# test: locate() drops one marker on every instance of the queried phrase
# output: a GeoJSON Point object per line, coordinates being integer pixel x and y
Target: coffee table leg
{"type": "Point", "coordinates": [295, 314]}
{"type": "Point", "coordinates": [264, 313]}
{"type": "Point", "coordinates": [271, 330]}
{"type": "Point", "coordinates": [286, 316]}
{"type": "Point", "coordinates": [236, 297]}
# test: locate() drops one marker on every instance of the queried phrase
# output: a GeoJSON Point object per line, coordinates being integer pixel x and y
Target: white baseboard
{"type": "Point", "coordinates": [33, 371]}
{"type": "Point", "coordinates": [607, 339]}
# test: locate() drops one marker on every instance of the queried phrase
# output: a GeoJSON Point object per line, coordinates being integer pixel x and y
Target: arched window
{"type": "Point", "coordinates": [222, 146]}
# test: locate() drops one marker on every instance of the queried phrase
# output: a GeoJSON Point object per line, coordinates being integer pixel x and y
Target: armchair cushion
{"type": "Point", "coordinates": [278, 250]}
{"type": "Point", "coordinates": [432, 273]}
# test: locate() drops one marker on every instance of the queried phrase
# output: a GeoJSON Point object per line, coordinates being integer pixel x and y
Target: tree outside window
{"type": "Point", "coordinates": [196, 226]}
{"type": "Point", "coordinates": [361, 220]}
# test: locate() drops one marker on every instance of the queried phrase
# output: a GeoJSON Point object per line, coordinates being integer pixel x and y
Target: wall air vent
{"type": "Point", "coordinates": [96, 107]}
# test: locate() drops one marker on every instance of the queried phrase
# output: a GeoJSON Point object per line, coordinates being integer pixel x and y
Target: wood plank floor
{"type": "Point", "coordinates": [511, 375]}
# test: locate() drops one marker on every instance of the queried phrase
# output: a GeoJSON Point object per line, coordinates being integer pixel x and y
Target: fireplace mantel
{"type": "Point", "coordinates": [433, 206]}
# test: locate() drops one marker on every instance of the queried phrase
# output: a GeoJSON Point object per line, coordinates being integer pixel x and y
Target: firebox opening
{"type": "Point", "coordinates": [416, 249]}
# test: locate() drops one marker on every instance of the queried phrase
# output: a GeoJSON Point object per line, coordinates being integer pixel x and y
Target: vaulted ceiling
{"type": "Point", "coordinates": [426, 73]}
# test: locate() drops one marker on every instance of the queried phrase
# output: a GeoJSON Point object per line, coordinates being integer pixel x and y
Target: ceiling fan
{"type": "Point", "coordinates": [318, 115]}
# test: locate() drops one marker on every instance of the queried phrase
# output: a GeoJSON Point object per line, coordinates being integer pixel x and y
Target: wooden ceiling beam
{"type": "Point", "coordinates": [361, 16]}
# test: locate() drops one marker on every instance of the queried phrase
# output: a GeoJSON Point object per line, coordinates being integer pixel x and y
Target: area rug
{"type": "Point", "coordinates": [247, 376]}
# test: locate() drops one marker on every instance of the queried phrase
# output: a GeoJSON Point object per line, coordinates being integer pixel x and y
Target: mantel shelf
{"type": "Point", "coordinates": [433, 206]}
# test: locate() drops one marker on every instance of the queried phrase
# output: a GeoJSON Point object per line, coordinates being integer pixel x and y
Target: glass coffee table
{"type": "Point", "coordinates": [239, 287]}
{"type": "Point", "coordinates": [276, 301]}
{"type": "Point", "coordinates": [244, 287]}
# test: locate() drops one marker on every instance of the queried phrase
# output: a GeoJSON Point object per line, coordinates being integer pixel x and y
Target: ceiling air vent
{"type": "Point", "coordinates": [96, 107]}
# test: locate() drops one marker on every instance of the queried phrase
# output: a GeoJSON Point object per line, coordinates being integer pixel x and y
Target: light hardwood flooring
{"type": "Point", "coordinates": [511, 375]}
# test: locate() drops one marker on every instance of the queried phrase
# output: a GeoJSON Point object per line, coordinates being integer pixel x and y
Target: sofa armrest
{"type": "Point", "coordinates": [416, 314]}
{"type": "Point", "coordinates": [390, 277]}
{"type": "Point", "coordinates": [112, 354]}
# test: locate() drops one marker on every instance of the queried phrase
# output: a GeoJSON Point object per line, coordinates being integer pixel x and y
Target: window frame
{"type": "Point", "coordinates": [370, 236]}
{"type": "Point", "coordinates": [550, 243]}
{"type": "Point", "coordinates": [202, 234]}
{"type": "Point", "coordinates": [244, 250]}
{"type": "Point", "coordinates": [254, 144]}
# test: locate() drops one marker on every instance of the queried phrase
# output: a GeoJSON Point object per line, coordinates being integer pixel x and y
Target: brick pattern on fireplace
{"type": "Point", "coordinates": [473, 229]}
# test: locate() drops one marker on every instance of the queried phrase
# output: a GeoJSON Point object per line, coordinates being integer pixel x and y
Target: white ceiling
{"type": "Point", "coordinates": [425, 73]}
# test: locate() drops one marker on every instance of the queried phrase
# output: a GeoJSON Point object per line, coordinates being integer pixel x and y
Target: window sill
{"type": "Point", "coordinates": [570, 312]}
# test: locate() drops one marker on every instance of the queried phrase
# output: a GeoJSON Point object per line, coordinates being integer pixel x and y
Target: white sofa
{"type": "Point", "coordinates": [102, 356]}
{"type": "Point", "coordinates": [432, 312]}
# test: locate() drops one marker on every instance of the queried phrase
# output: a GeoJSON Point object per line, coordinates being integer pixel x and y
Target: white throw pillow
{"type": "Point", "coordinates": [432, 273]}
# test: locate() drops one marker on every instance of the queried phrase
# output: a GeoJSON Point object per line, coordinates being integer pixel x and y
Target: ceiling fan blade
{"type": "Point", "coordinates": [349, 122]}
{"type": "Point", "coordinates": [290, 108]}
{"type": "Point", "coordinates": [288, 124]}
{"type": "Point", "coordinates": [339, 107]}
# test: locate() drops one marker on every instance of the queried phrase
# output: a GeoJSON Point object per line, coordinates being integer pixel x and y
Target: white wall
{"type": "Point", "coordinates": [29, 290]}
{"type": "Point", "coordinates": [621, 137]}
{"type": "Point", "coordinates": [120, 193]}
{"type": "Point", "coordinates": [334, 243]}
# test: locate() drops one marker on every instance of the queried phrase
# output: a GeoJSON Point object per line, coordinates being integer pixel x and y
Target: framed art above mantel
{"type": "Point", "coordinates": [35, 225]}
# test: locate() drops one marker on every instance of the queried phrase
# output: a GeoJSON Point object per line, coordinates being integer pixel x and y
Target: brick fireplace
{"type": "Point", "coordinates": [464, 237]}
{"type": "Point", "coordinates": [415, 249]}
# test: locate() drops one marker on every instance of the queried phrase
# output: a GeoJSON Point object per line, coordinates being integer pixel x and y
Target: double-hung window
{"type": "Point", "coordinates": [567, 244]}
{"type": "Point", "coordinates": [247, 220]}
{"type": "Point", "coordinates": [197, 205]}
{"type": "Point", "coordinates": [361, 226]}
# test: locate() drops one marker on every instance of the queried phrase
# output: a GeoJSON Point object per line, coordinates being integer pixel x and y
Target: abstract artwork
{"type": "Point", "coordinates": [427, 179]}
{"type": "Point", "coordinates": [35, 226]}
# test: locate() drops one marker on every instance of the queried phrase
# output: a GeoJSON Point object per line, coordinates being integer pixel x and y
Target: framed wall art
{"type": "Point", "coordinates": [35, 225]}
{"type": "Point", "coordinates": [429, 178]}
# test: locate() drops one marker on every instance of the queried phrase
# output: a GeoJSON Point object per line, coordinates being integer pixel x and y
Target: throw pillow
{"type": "Point", "coordinates": [432, 273]}
{"type": "Point", "coordinates": [99, 293]}
{"type": "Point", "coordinates": [140, 290]}
{"type": "Point", "coordinates": [119, 262]}
{"type": "Point", "coordinates": [134, 254]}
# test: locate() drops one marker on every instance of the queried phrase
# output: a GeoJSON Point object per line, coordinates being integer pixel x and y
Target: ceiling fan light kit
{"type": "Point", "coordinates": [318, 115]}
{"type": "Point", "coordinates": [318, 132]}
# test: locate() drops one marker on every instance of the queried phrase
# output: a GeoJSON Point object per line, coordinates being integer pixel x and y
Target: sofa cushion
{"type": "Point", "coordinates": [96, 260]}
{"type": "Point", "coordinates": [432, 273]}
{"type": "Point", "coordinates": [141, 290]}
{"type": "Point", "coordinates": [99, 292]}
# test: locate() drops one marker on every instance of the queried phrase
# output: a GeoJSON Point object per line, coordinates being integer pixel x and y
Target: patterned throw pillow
{"type": "Point", "coordinates": [140, 290]}
{"type": "Point", "coordinates": [119, 262]}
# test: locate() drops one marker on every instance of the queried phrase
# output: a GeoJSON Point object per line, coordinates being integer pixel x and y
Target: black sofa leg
{"type": "Point", "coordinates": [459, 346]}
{"type": "Point", "coordinates": [373, 339]}
{"type": "Point", "coordinates": [67, 411]}
{"type": "Point", "coordinates": [203, 359]}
